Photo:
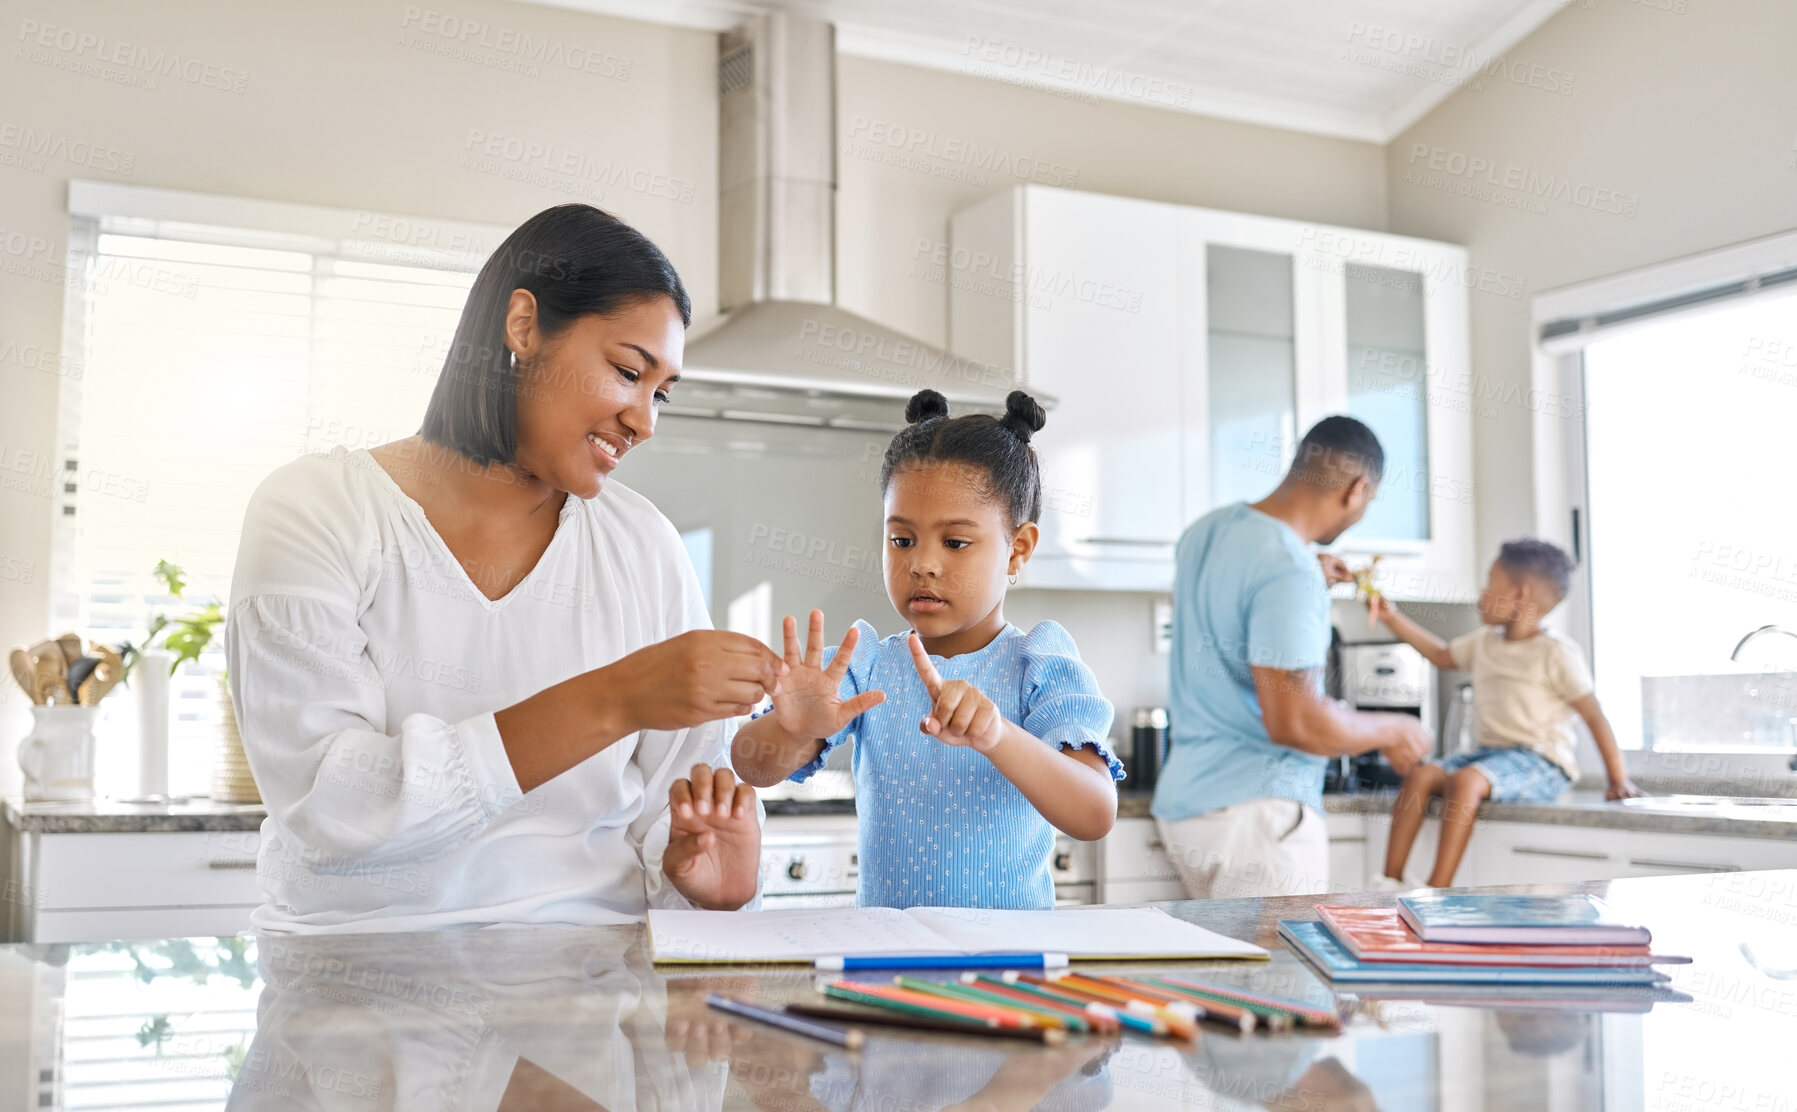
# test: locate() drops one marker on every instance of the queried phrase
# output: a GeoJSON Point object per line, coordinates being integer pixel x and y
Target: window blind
{"type": "Point", "coordinates": [208, 357]}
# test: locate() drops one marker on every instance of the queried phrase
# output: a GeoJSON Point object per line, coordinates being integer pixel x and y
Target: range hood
{"type": "Point", "coordinates": [782, 350]}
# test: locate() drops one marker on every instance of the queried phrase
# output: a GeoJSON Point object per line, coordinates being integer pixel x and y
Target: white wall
{"type": "Point", "coordinates": [351, 104]}
{"type": "Point", "coordinates": [1687, 118]}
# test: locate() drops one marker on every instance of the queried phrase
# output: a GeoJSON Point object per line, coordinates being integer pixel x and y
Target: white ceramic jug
{"type": "Point", "coordinates": [57, 756]}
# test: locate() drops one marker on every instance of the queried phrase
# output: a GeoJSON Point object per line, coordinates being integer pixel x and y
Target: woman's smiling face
{"type": "Point", "coordinates": [590, 394]}
{"type": "Point", "coordinates": [948, 550]}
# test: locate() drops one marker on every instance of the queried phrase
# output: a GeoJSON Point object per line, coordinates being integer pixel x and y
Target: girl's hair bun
{"type": "Point", "coordinates": [1023, 415]}
{"type": "Point", "coordinates": [924, 405]}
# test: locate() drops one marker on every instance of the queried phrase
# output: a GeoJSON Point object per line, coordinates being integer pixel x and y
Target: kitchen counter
{"type": "Point", "coordinates": [1575, 808]}
{"type": "Point", "coordinates": [577, 1018]}
{"type": "Point", "coordinates": [106, 816]}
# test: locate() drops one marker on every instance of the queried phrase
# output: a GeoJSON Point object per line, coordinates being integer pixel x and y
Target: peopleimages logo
{"type": "Point", "coordinates": [1519, 181]}
{"type": "Point", "coordinates": [84, 52]}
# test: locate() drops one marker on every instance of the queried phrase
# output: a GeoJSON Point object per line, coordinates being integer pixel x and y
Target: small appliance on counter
{"type": "Point", "coordinates": [1388, 676]}
{"type": "Point", "coordinates": [1147, 748]}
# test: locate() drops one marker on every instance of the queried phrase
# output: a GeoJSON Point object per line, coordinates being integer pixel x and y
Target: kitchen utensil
{"type": "Point", "coordinates": [71, 646]}
{"type": "Point", "coordinates": [51, 673]}
{"type": "Point", "coordinates": [106, 675]}
{"type": "Point", "coordinates": [23, 671]}
{"type": "Point", "coordinates": [79, 670]}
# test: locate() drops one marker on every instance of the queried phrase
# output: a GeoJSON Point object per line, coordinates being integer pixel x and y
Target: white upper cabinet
{"type": "Point", "coordinates": [1188, 349]}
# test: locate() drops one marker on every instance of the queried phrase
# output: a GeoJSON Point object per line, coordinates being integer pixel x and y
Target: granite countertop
{"type": "Point", "coordinates": [578, 1018]}
{"type": "Point", "coordinates": [108, 816]}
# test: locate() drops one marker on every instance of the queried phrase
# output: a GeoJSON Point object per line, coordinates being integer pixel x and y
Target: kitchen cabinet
{"type": "Point", "coordinates": [84, 887]}
{"type": "Point", "coordinates": [1133, 866]}
{"type": "Point", "coordinates": [1523, 853]}
{"type": "Point", "coordinates": [1086, 305]}
{"type": "Point", "coordinates": [1192, 347]}
{"type": "Point", "coordinates": [1349, 864]}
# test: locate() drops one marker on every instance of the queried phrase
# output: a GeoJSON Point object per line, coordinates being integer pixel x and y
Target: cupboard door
{"type": "Point", "coordinates": [1102, 336]}
{"type": "Point", "coordinates": [1250, 373]}
{"type": "Point", "coordinates": [1388, 390]}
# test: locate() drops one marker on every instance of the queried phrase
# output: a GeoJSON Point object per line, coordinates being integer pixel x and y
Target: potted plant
{"type": "Point", "coordinates": [184, 637]}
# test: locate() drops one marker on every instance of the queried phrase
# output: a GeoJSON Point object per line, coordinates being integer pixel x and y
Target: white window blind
{"type": "Point", "coordinates": [209, 357]}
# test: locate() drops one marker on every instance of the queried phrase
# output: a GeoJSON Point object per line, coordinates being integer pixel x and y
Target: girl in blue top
{"type": "Point", "coordinates": [973, 737]}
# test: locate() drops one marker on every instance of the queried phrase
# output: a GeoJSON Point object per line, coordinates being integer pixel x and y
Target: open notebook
{"type": "Point", "coordinates": [1096, 934]}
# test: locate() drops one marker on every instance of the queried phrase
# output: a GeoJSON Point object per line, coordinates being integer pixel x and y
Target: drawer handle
{"type": "Point", "coordinates": [1560, 853]}
{"type": "Point", "coordinates": [1650, 863]}
{"type": "Point", "coordinates": [231, 863]}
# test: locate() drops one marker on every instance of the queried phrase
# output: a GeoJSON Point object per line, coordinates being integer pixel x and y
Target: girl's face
{"type": "Point", "coordinates": [590, 394]}
{"type": "Point", "coordinates": [948, 551]}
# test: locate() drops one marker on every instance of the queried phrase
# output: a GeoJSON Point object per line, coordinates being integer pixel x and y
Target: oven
{"type": "Point", "coordinates": [809, 861]}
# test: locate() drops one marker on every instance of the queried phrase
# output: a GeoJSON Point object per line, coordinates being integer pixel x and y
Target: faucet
{"type": "Point", "coordinates": [1765, 629]}
{"type": "Point", "coordinates": [1742, 643]}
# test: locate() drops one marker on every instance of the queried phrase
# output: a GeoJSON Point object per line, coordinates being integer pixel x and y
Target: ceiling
{"type": "Point", "coordinates": [1354, 69]}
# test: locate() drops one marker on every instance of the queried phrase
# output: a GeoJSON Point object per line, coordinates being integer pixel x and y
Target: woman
{"type": "Point", "coordinates": [473, 672]}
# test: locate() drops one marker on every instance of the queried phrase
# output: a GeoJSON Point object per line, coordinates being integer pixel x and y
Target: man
{"type": "Point", "coordinates": [1239, 804]}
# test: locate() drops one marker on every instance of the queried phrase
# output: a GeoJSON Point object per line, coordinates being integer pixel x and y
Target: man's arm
{"type": "Point", "coordinates": [1296, 717]}
{"type": "Point", "coordinates": [1433, 648]}
{"type": "Point", "coordinates": [1614, 769]}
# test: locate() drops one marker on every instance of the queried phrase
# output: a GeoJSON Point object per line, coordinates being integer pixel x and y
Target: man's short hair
{"type": "Point", "coordinates": [1338, 450]}
{"type": "Point", "coordinates": [1527, 557]}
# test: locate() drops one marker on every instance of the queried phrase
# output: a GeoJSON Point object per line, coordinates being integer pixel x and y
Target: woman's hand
{"type": "Point", "coordinates": [698, 677]}
{"type": "Point", "coordinates": [960, 713]}
{"type": "Point", "coordinates": [808, 702]}
{"type": "Point", "coordinates": [714, 840]}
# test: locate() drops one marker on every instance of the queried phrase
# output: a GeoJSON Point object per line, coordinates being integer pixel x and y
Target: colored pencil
{"type": "Point", "coordinates": [1305, 1014]}
{"type": "Point", "coordinates": [956, 1026]}
{"type": "Point", "coordinates": [1099, 1019]}
{"type": "Point", "coordinates": [881, 995]}
{"type": "Point", "coordinates": [1180, 1017]}
{"type": "Point", "coordinates": [852, 1038]}
{"type": "Point", "coordinates": [954, 990]}
{"type": "Point", "coordinates": [941, 961]}
{"type": "Point", "coordinates": [1229, 1013]}
{"type": "Point", "coordinates": [1147, 1025]}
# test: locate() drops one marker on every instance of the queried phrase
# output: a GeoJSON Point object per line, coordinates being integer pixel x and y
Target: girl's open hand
{"type": "Point", "coordinates": [808, 700]}
{"type": "Point", "coordinates": [960, 713]}
{"type": "Point", "coordinates": [714, 839]}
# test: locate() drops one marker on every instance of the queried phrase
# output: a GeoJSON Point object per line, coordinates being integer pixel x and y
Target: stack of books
{"type": "Point", "coordinates": [1474, 939]}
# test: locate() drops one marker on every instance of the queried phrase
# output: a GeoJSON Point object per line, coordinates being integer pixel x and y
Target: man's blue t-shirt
{"type": "Point", "coordinates": [1247, 592]}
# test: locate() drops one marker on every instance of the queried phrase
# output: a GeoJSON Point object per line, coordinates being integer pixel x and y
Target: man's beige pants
{"type": "Point", "coordinates": [1264, 847]}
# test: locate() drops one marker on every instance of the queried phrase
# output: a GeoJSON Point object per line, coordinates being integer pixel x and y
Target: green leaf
{"type": "Point", "coordinates": [171, 576]}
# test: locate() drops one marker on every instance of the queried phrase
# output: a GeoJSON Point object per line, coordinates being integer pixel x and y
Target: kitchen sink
{"type": "Point", "coordinates": [1732, 806]}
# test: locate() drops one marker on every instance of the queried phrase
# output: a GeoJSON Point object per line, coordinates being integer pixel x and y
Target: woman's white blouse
{"type": "Point", "coordinates": [366, 668]}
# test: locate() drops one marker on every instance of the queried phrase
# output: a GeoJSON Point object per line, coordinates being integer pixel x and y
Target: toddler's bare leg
{"type": "Point", "coordinates": [1459, 806]}
{"type": "Point", "coordinates": [1407, 813]}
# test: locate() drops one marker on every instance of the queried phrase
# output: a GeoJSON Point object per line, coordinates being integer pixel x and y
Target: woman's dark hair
{"type": "Point", "coordinates": [999, 446]}
{"type": "Point", "coordinates": [575, 260]}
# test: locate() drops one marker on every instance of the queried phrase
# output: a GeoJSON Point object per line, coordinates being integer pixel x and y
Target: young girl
{"type": "Point", "coordinates": [972, 736]}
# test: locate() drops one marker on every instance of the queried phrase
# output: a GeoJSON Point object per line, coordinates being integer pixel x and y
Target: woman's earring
{"type": "Point", "coordinates": [1013, 579]}
{"type": "Point", "coordinates": [514, 361]}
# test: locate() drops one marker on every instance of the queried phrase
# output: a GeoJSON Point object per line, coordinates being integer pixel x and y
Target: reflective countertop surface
{"type": "Point", "coordinates": [578, 1018]}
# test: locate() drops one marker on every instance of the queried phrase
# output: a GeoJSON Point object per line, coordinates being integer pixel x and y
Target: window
{"type": "Point", "coordinates": [211, 354]}
{"type": "Point", "coordinates": [1693, 545]}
